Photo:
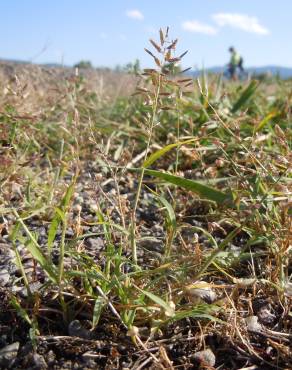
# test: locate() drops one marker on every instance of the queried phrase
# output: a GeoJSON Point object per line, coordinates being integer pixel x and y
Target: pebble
{"type": "Point", "coordinates": [93, 207]}
{"type": "Point", "coordinates": [79, 200]}
{"type": "Point", "coordinates": [288, 289]}
{"type": "Point", "coordinates": [4, 277]}
{"type": "Point", "coordinates": [8, 355]}
{"type": "Point", "coordinates": [75, 329]}
{"type": "Point", "coordinates": [244, 282]}
{"type": "Point", "coordinates": [6, 252]}
{"type": "Point", "coordinates": [39, 362]}
{"type": "Point", "coordinates": [206, 357]}
{"type": "Point", "coordinates": [34, 287]}
{"type": "Point", "coordinates": [51, 357]}
{"type": "Point", "coordinates": [206, 293]}
{"type": "Point", "coordinates": [265, 316]}
{"type": "Point", "coordinates": [95, 243]}
{"type": "Point", "coordinates": [69, 233]}
{"type": "Point", "coordinates": [151, 244]}
{"type": "Point", "coordinates": [253, 324]}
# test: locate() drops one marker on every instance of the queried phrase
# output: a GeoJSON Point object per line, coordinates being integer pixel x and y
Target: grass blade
{"type": "Point", "coordinates": [194, 186]}
{"type": "Point", "coordinates": [159, 153]}
{"type": "Point", "coordinates": [266, 120]}
{"type": "Point", "coordinates": [220, 248]}
{"type": "Point", "coordinates": [52, 233]}
{"type": "Point", "coordinates": [245, 96]}
{"type": "Point", "coordinates": [170, 224]}
{"type": "Point", "coordinates": [35, 249]}
{"type": "Point", "coordinates": [159, 301]}
{"type": "Point", "coordinates": [170, 212]}
{"type": "Point", "coordinates": [97, 310]}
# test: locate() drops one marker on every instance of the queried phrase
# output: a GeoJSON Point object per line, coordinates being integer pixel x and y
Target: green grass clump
{"type": "Point", "coordinates": [212, 158]}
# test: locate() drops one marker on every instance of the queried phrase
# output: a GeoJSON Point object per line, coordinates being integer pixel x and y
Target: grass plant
{"type": "Point", "coordinates": [183, 191]}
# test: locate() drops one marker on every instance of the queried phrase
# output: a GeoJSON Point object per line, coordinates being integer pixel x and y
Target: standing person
{"type": "Point", "coordinates": [236, 61]}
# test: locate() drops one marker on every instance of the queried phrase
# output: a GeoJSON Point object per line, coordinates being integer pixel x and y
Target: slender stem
{"type": "Point", "coordinates": [138, 193]}
{"type": "Point", "coordinates": [177, 134]}
{"type": "Point", "coordinates": [57, 174]}
{"type": "Point", "coordinates": [20, 265]}
{"type": "Point", "coordinates": [62, 251]}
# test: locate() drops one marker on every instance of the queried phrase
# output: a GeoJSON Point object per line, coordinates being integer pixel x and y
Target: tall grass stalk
{"type": "Point", "coordinates": [142, 172]}
{"type": "Point", "coordinates": [166, 65]}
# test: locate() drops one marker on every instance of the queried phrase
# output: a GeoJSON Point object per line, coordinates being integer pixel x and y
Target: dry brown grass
{"type": "Point", "coordinates": [34, 88]}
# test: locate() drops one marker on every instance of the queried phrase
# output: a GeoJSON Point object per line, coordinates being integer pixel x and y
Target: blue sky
{"type": "Point", "coordinates": [115, 32]}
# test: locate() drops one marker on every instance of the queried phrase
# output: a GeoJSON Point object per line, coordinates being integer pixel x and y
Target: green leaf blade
{"type": "Point", "coordinates": [159, 153]}
{"type": "Point", "coordinates": [245, 96]}
{"type": "Point", "coordinates": [203, 190]}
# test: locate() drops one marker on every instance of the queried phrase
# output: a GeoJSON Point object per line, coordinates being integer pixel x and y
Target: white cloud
{"type": "Point", "coordinates": [199, 27]}
{"type": "Point", "coordinates": [241, 21]}
{"type": "Point", "coordinates": [135, 14]}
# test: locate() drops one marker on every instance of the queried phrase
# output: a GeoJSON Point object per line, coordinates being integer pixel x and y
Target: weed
{"type": "Point", "coordinates": [166, 213]}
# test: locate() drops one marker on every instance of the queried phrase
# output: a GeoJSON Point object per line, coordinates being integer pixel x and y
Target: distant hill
{"type": "Point", "coordinates": [19, 61]}
{"type": "Point", "coordinates": [282, 72]}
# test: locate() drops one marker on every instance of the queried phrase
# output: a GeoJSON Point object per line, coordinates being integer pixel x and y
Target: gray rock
{"type": "Point", "coordinates": [34, 287]}
{"type": "Point", "coordinates": [151, 244]}
{"type": "Point", "coordinates": [16, 289]}
{"type": "Point", "coordinates": [75, 329]}
{"type": "Point", "coordinates": [265, 316]}
{"type": "Point", "coordinates": [252, 324]}
{"type": "Point", "coordinates": [205, 357]}
{"type": "Point", "coordinates": [4, 276]}
{"type": "Point", "coordinates": [79, 200]}
{"type": "Point", "coordinates": [6, 252]}
{"type": "Point", "coordinates": [158, 228]}
{"type": "Point", "coordinates": [69, 233]}
{"type": "Point", "coordinates": [95, 243]}
{"type": "Point", "coordinates": [8, 355]}
{"type": "Point", "coordinates": [202, 291]}
{"type": "Point", "coordinates": [51, 358]}
{"type": "Point", "coordinates": [288, 289]}
{"type": "Point", "coordinates": [39, 362]}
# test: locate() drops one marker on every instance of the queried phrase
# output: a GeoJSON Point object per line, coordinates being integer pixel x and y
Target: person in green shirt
{"type": "Point", "coordinates": [236, 61]}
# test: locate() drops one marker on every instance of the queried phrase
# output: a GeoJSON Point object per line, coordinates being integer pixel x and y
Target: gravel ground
{"type": "Point", "coordinates": [74, 346]}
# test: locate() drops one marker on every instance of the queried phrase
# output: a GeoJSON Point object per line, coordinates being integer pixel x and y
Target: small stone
{"type": "Point", "coordinates": [151, 244]}
{"type": "Point", "coordinates": [158, 228]}
{"type": "Point", "coordinates": [77, 208]}
{"type": "Point", "coordinates": [4, 277]}
{"type": "Point", "coordinates": [253, 324]}
{"type": "Point", "coordinates": [8, 355]}
{"type": "Point", "coordinates": [16, 289]}
{"type": "Point", "coordinates": [95, 243]}
{"type": "Point", "coordinates": [75, 329]}
{"type": "Point", "coordinates": [133, 331]}
{"type": "Point", "coordinates": [265, 316]}
{"type": "Point", "coordinates": [6, 252]}
{"type": "Point", "coordinates": [93, 207]}
{"type": "Point", "coordinates": [244, 283]}
{"type": "Point", "coordinates": [288, 289]}
{"type": "Point", "coordinates": [39, 362]}
{"type": "Point", "coordinates": [51, 358]}
{"type": "Point", "coordinates": [201, 290]}
{"type": "Point", "coordinates": [69, 233]}
{"type": "Point", "coordinates": [88, 357]}
{"type": "Point", "coordinates": [34, 287]}
{"type": "Point", "coordinates": [79, 200]}
{"type": "Point", "coordinates": [205, 357]}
